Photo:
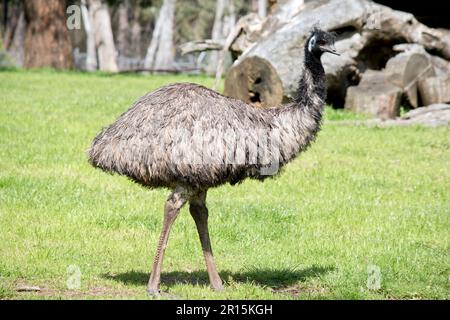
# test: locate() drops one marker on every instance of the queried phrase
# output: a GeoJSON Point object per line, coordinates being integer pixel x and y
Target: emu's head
{"type": "Point", "coordinates": [321, 41]}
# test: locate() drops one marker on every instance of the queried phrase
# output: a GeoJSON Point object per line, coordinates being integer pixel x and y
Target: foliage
{"type": "Point", "coordinates": [194, 18]}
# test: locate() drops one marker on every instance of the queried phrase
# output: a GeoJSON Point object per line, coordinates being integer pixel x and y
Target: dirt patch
{"type": "Point", "coordinates": [76, 294]}
{"type": "Point", "coordinates": [299, 291]}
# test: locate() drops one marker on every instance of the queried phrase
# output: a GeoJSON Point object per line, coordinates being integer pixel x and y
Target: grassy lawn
{"type": "Point", "coordinates": [361, 200]}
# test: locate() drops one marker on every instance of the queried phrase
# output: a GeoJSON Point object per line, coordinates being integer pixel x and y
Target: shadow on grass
{"type": "Point", "coordinates": [273, 278]}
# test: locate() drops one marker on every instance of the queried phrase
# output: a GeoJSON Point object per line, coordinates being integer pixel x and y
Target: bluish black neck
{"type": "Point", "coordinates": [304, 115]}
{"type": "Point", "coordinates": [312, 84]}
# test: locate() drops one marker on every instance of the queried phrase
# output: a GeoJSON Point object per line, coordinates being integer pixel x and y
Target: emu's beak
{"type": "Point", "coordinates": [331, 49]}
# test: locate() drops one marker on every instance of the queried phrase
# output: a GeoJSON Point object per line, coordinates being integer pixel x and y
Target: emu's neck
{"type": "Point", "coordinates": [311, 91]}
{"type": "Point", "coordinates": [300, 120]}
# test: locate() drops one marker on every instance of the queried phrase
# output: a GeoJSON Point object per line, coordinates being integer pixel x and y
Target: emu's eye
{"type": "Point", "coordinates": [321, 42]}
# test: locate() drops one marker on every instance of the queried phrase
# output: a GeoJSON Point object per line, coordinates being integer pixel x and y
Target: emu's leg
{"type": "Point", "coordinates": [200, 214]}
{"type": "Point", "coordinates": [172, 207]}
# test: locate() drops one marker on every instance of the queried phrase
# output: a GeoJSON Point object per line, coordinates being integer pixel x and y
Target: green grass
{"type": "Point", "coordinates": [341, 114]}
{"type": "Point", "coordinates": [358, 197]}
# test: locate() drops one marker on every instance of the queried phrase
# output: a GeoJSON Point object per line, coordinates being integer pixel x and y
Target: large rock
{"type": "Point", "coordinates": [380, 100]}
{"type": "Point", "coordinates": [435, 89]}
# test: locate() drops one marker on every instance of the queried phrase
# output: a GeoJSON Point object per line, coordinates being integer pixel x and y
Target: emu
{"type": "Point", "coordinates": [156, 143]}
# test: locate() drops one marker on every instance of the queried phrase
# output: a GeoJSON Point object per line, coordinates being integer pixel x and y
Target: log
{"type": "Point", "coordinates": [413, 114]}
{"type": "Point", "coordinates": [373, 77]}
{"type": "Point", "coordinates": [252, 28]}
{"type": "Point", "coordinates": [441, 66]}
{"type": "Point", "coordinates": [244, 35]}
{"type": "Point", "coordinates": [401, 74]}
{"type": "Point", "coordinates": [380, 100]}
{"type": "Point", "coordinates": [435, 90]}
{"type": "Point", "coordinates": [362, 26]}
{"type": "Point", "coordinates": [256, 82]}
{"type": "Point", "coordinates": [200, 45]}
{"type": "Point", "coordinates": [248, 30]}
{"type": "Point", "coordinates": [283, 47]}
{"type": "Point", "coordinates": [405, 70]}
{"type": "Point", "coordinates": [433, 115]}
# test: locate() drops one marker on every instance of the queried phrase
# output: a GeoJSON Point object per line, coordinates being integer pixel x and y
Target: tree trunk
{"type": "Point", "coordinates": [228, 30]}
{"type": "Point", "coordinates": [17, 45]}
{"type": "Point", "coordinates": [91, 51]}
{"type": "Point", "coordinates": [161, 52]}
{"type": "Point", "coordinates": [47, 41]}
{"type": "Point", "coordinates": [230, 19]}
{"type": "Point", "coordinates": [12, 13]}
{"type": "Point", "coordinates": [104, 40]}
{"type": "Point", "coordinates": [123, 38]}
{"type": "Point", "coordinates": [262, 8]}
{"type": "Point", "coordinates": [218, 20]}
{"type": "Point", "coordinates": [135, 41]}
{"type": "Point", "coordinates": [14, 32]}
{"type": "Point", "coordinates": [216, 35]}
{"type": "Point", "coordinates": [4, 22]}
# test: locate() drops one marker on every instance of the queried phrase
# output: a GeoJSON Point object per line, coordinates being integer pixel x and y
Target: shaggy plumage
{"type": "Point", "coordinates": [189, 138]}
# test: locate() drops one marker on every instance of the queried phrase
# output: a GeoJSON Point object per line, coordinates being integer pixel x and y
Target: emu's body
{"type": "Point", "coordinates": [150, 142]}
{"type": "Point", "coordinates": [143, 143]}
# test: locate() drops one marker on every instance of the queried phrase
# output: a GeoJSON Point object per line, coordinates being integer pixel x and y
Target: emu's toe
{"type": "Point", "coordinates": [218, 288]}
{"type": "Point", "coordinates": [153, 293]}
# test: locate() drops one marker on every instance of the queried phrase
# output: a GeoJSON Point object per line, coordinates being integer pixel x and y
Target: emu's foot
{"type": "Point", "coordinates": [158, 294]}
{"type": "Point", "coordinates": [217, 287]}
{"type": "Point", "coordinates": [153, 293]}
